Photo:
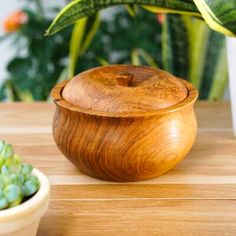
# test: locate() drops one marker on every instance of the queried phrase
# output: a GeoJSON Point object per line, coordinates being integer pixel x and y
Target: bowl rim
{"type": "Point", "coordinates": [32, 204]}
{"type": "Point", "coordinates": [56, 96]}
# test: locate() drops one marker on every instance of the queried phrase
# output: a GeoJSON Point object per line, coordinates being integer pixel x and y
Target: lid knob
{"type": "Point", "coordinates": [124, 79]}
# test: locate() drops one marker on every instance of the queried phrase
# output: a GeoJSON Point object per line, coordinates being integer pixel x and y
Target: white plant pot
{"type": "Point", "coordinates": [231, 52]}
{"type": "Point", "coordinates": [23, 220]}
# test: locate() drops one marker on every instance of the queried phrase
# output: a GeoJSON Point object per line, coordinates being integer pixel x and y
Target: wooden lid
{"type": "Point", "coordinates": [124, 89]}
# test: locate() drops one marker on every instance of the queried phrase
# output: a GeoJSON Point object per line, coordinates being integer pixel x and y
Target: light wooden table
{"type": "Point", "coordinates": [198, 197]}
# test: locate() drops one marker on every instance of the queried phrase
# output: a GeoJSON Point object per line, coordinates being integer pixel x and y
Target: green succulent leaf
{"type": "Point", "coordinates": [3, 203]}
{"type": "Point", "coordinates": [2, 144]}
{"type": "Point", "coordinates": [4, 170]}
{"type": "Point", "coordinates": [14, 165]}
{"type": "Point", "coordinates": [1, 193]}
{"type": "Point", "coordinates": [30, 186]}
{"type": "Point", "coordinates": [26, 169]}
{"type": "Point", "coordinates": [6, 153]}
{"type": "Point", "coordinates": [1, 183]}
{"type": "Point", "coordinates": [13, 194]}
{"type": "Point", "coordinates": [16, 179]}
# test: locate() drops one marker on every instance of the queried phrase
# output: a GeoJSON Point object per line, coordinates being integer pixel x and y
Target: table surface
{"type": "Point", "coordinates": [198, 197]}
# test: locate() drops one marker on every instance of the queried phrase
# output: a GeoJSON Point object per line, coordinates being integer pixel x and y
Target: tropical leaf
{"type": "Point", "coordinates": [82, 8]}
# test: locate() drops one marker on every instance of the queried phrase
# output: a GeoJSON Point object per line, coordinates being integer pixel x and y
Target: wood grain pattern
{"type": "Point", "coordinates": [129, 89]}
{"type": "Point", "coordinates": [141, 217]}
{"type": "Point", "coordinates": [196, 198]}
{"type": "Point", "coordinates": [123, 141]}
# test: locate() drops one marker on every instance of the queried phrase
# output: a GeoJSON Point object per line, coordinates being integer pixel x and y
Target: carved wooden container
{"type": "Point", "coordinates": [123, 122]}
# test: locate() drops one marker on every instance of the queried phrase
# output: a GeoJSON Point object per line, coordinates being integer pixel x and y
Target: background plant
{"type": "Point", "coordinates": [183, 45]}
{"type": "Point", "coordinates": [38, 61]}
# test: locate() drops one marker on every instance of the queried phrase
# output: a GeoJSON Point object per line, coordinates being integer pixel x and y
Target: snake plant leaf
{"type": "Point", "coordinates": [199, 38]}
{"type": "Point", "coordinates": [220, 15]}
{"type": "Point", "coordinates": [138, 53]}
{"type": "Point", "coordinates": [91, 30]}
{"type": "Point", "coordinates": [75, 44]}
{"type": "Point", "coordinates": [82, 36]}
{"type": "Point", "coordinates": [155, 9]}
{"type": "Point", "coordinates": [131, 9]}
{"type": "Point", "coordinates": [82, 8]}
{"type": "Point", "coordinates": [102, 61]}
{"type": "Point", "coordinates": [175, 46]}
{"type": "Point", "coordinates": [220, 77]}
{"type": "Point", "coordinates": [213, 62]}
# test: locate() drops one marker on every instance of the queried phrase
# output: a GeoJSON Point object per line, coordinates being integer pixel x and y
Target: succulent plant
{"type": "Point", "coordinates": [16, 179]}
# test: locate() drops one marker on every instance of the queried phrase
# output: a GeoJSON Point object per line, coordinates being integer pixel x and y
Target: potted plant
{"type": "Point", "coordinates": [24, 194]}
{"type": "Point", "coordinates": [219, 15]}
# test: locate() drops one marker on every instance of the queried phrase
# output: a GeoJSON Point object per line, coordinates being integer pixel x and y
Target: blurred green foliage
{"type": "Point", "coordinates": [119, 35]}
{"type": "Point", "coordinates": [40, 62]}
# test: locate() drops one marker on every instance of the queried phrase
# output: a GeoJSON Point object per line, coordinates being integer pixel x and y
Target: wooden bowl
{"type": "Point", "coordinates": [123, 122]}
